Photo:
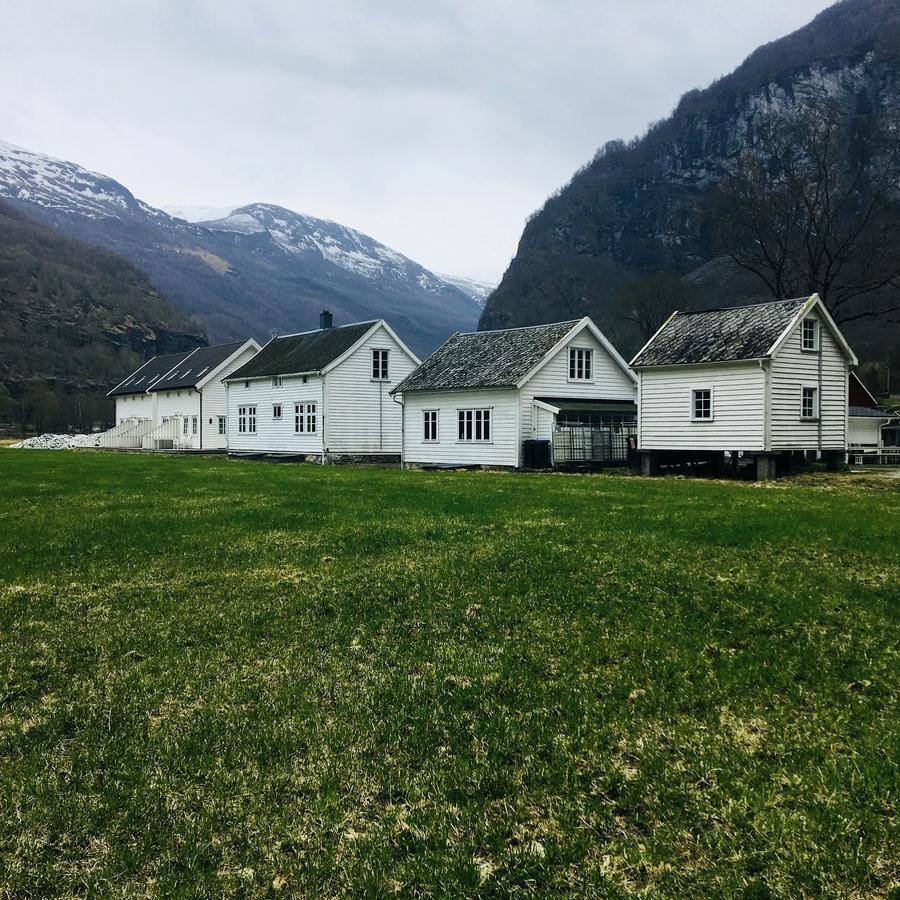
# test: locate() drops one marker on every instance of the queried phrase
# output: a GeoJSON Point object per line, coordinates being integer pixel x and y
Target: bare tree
{"type": "Point", "coordinates": [647, 302]}
{"type": "Point", "coordinates": [811, 205]}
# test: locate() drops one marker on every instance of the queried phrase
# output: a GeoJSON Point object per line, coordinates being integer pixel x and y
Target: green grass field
{"type": "Point", "coordinates": [231, 678]}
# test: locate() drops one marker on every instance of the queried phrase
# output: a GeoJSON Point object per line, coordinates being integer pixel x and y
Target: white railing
{"type": "Point", "coordinates": [883, 456]}
{"type": "Point", "coordinates": [112, 437]}
{"type": "Point", "coordinates": [170, 435]}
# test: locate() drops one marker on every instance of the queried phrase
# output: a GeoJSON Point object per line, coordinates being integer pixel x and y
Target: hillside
{"type": "Point", "coordinates": [628, 213]}
{"type": "Point", "coordinates": [74, 319]}
{"type": "Point", "coordinates": [260, 269]}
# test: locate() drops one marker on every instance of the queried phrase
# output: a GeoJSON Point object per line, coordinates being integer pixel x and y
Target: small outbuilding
{"type": "Point", "coordinates": [864, 418]}
{"type": "Point", "coordinates": [555, 394]}
{"type": "Point", "coordinates": [322, 395]}
{"type": "Point", "coordinates": [760, 381]}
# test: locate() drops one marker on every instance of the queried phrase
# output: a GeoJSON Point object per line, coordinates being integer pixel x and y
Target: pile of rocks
{"type": "Point", "coordinates": [58, 442]}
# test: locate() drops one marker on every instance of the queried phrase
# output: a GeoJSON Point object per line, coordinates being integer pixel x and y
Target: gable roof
{"type": "Point", "coordinates": [138, 382]}
{"type": "Point", "coordinates": [726, 334]}
{"type": "Point", "coordinates": [481, 359]}
{"type": "Point", "coordinates": [196, 366]}
{"type": "Point", "coordinates": [294, 354]}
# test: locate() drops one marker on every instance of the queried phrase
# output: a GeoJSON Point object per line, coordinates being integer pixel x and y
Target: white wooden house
{"type": "Point", "coordinates": [865, 420]}
{"type": "Point", "coordinates": [756, 380]}
{"type": "Point", "coordinates": [177, 401]}
{"type": "Point", "coordinates": [480, 396]}
{"type": "Point", "coordinates": [322, 394]}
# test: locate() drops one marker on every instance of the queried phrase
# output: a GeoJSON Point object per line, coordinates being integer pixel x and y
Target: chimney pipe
{"type": "Point", "coordinates": [325, 319]}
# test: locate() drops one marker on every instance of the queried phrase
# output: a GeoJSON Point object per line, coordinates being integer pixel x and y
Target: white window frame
{"type": "Point", "coordinates": [277, 411]}
{"type": "Point", "coordinates": [432, 417]}
{"type": "Point", "coordinates": [814, 417]}
{"type": "Point", "coordinates": [470, 418]}
{"type": "Point", "coordinates": [195, 423]}
{"type": "Point", "coordinates": [277, 381]}
{"type": "Point", "coordinates": [184, 426]}
{"type": "Point", "coordinates": [694, 416]}
{"type": "Point", "coordinates": [306, 415]}
{"type": "Point", "coordinates": [381, 369]}
{"type": "Point", "coordinates": [580, 358]}
{"type": "Point", "coordinates": [223, 424]}
{"type": "Point", "coordinates": [814, 346]}
{"type": "Point", "coordinates": [246, 420]}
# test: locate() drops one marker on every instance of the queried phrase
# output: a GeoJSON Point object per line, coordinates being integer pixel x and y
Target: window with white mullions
{"type": "Point", "coordinates": [430, 425]}
{"type": "Point", "coordinates": [581, 364]}
{"type": "Point", "coordinates": [474, 425]}
{"type": "Point", "coordinates": [380, 365]}
{"type": "Point", "coordinates": [809, 403]}
{"type": "Point", "coordinates": [305, 415]}
{"type": "Point", "coordinates": [276, 411]}
{"type": "Point", "coordinates": [701, 404]}
{"type": "Point", "coordinates": [810, 338]}
{"type": "Point", "coordinates": [246, 420]}
{"type": "Point", "coordinates": [222, 424]}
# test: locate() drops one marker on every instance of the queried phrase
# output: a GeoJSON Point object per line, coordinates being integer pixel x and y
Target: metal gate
{"type": "Point", "coordinates": [575, 445]}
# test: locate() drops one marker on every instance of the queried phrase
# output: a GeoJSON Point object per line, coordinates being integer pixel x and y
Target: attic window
{"type": "Point", "coordinates": [580, 364]}
{"type": "Point", "coordinates": [277, 381]}
{"type": "Point", "coordinates": [810, 339]}
{"type": "Point", "coordinates": [380, 365]}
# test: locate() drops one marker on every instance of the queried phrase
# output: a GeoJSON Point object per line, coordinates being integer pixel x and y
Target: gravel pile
{"type": "Point", "coordinates": [58, 442]}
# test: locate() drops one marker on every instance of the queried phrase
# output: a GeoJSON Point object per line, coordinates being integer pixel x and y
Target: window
{"type": "Point", "coordinates": [580, 364]}
{"type": "Point", "coordinates": [276, 411]}
{"type": "Point", "coordinates": [305, 418]}
{"type": "Point", "coordinates": [474, 425]}
{"type": "Point", "coordinates": [701, 404]}
{"type": "Point", "coordinates": [194, 420]}
{"type": "Point", "coordinates": [305, 378]}
{"type": "Point", "coordinates": [809, 403]}
{"type": "Point", "coordinates": [380, 365]}
{"type": "Point", "coordinates": [222, 424]}
{"type": "Point", "coordinates": [247, 420]}
{"type": "Point", "coordinates": [810, 340]}
{"type": "Point", "coordinates": [246, 384]}
{"type": "Point", "coordinates": [277, 381]}
{"type": "Point", "coordinates": [185, 426]}
{"type": "Point", "coordinates": [430, 425]}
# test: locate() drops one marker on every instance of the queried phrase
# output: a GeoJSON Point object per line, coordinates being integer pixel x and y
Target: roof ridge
{"type": "Point", "coordinates": [278, 337]}
{"type": "Point", "coordinates": [518, 327]}
{"type": "Point", "coordinates": [696, 312]}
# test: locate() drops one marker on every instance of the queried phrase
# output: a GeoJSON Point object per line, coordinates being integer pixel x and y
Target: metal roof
{"type": "Point", "coordinates": [580, 404]}
{"type": "Point", "coordinates": [311, 351]}
{"type": "Point", "coordinates": [867, 412]}
{"type": "Point", "coordinates": [138, 382]}
{"type": "Point", "coordinates": [719, 335]}
{"type": "Point", "coordinates": [195, 367]}
{"type": "Point", "coordinates": [482, 359]}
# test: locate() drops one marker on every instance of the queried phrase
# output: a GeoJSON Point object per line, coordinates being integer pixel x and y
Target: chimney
{"type": "Point", "coordinates": [325, 319]}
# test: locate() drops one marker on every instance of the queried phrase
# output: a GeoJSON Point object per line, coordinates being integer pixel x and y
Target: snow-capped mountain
{"type": "Point", "coordinates": [241, 271]}
{"type": "Point", "coordinates": [478, 290]}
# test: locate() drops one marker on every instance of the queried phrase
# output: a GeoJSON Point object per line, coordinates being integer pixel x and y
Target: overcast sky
{"type": "Point", "coordinates": [436, 127]}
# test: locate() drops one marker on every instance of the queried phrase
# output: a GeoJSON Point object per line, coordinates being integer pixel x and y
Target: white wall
{"type": "Point", "coordinates": [134, 406]}
{"type": "Point", "coordinates": [183, 402]}
{"type": "Point", "coordinates": [609, 383]}
{"type": "Point", "coordinates": [664, 408]}
{"type": "Point", "coordinates": [792, 368]}
{"type": "Point", "coordinates": [361, 416]}
{"type": "Point", "coordinates": [865, 431]}
{"type": "Point", "coordinates": [274, 435]}
{"type": "Point", "coordinates": [215, 402]}
{"type": "Point", "coordinates": [503, 450]}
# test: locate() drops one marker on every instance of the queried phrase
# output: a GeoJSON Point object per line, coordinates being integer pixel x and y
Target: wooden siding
{"type": "Point", "coordinates": [865, 431]}
{"type": "Point", "coordinates": [609, 382]}
{"type": "Point", "coordinates": [135, 406]}
{"type": "Point", "coordinates": [215, 402]}
{"type": "Point", "coordinates": [274, 435]}
{"type": "Point", "coordinates": [503, 450]}
{"type": "Point", "coordinates": [794, 368]}
{"type": "Point", "coordinates": [664, 412]}
{"type": "Point", "coordinates": [361, 416]}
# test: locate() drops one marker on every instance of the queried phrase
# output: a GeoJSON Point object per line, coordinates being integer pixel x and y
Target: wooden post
{"type": "Point", "coordinates": [765, 467]}
{"type": "Point", "coordinates": [649, 462]}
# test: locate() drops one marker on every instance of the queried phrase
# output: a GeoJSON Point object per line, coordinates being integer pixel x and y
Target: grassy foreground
{"type": "Point", "coordinates": [234, 678]}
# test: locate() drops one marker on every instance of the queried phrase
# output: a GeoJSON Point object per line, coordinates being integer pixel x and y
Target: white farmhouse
{"type": "Point", "coordinates": [177, 401]}
{"type": "Point", "coordinates": [482, 398]}
{"type": "Point", "coordinates": [763, 380]}
{"type": "Point", "coordinates": [321, 394]}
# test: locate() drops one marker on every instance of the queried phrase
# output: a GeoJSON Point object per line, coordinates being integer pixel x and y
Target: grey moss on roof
{"type": "Point", "coordinates": [138, 382]}
{"type": "Point", "coordinates": [719, 335]}
{"type": "Point", "coordinates": [197, 366]}
{"type": "Point", "coordinates": [298, 353]}
{"type": "Point", "coordinates": [482, 359]}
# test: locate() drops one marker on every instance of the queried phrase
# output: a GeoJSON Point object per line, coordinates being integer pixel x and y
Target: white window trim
{"type": "Point", "coordinates": [472, 409]}
{"type": "Point", "coordinates": [591, 356]}
{"type": "Point", "coordinates": [277, 381]}
{"type": "Point", "coordinates": [372, 364]}
{"type": "Point", "coordinates": [437, 426]}
{"type": "Point", "coordinates": [302, 416]}
{"type": "Point", "coordinates": [817, 331]}
{"type": "Point", "coordinates": [222, 425]}
{"type": "Point", "coordinates": [817, 403]}
{"type": "Point", "coordinates": [245, 418]}
{"type": "Point", "coordinates": [712, 403]}
{"type": "Point", "coordinates": [280, 414]}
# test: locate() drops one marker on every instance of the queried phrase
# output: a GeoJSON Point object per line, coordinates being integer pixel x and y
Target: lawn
{"type": "Point", "coordinates": [233, 678]}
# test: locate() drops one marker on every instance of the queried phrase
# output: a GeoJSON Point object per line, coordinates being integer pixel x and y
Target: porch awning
{"type": "Point", "coordinates": [557, 405]}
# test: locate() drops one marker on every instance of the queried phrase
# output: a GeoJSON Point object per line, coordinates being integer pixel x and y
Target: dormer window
{"type": "Point", "coordinates": [810, 339]}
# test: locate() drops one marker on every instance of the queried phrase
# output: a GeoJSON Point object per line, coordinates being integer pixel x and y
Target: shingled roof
{"type": "Point", "coordinates": [138, 382]}
{"type": "Point", "coordinates": [481, 359]}
{"type": "Point", "coordinates": [196, 366]}
{"type": "Point", "coordinates": [719, 335]}
{"type": "Point", "coordinates": [294, 354]}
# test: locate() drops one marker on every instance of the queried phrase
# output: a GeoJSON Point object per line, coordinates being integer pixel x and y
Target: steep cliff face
{"type": "Point", "coordinates": [628, 212]}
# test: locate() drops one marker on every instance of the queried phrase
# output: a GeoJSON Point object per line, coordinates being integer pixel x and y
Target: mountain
{"type": "Point", "coordinates": [74, 320]}
{"type": "Point", "coordinates": [479, 291]}
{"type": "Point", "coordinates": [255, 270]}
{"type": "Point", "coordinates": [628, 212]}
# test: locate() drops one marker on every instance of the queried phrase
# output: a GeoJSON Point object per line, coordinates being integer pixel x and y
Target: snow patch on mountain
{"type": "Point", "coordinates": [478, 290]}
{"type": "Point", "coordinates": [196, 214]}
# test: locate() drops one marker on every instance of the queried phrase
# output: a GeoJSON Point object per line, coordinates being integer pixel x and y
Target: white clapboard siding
{"type": "Point", "coordinates": [274, 435]}
{"type": "Point", "coordinates": [361, 417]}
{"type": "Point", "coordinates": [865, 431]}
{"type": "Point", "coordinates": [135, 406]}
{"type": "Point", "coordinates": [183, 402]}
{"type": "Point", "coordinates": [610, 382]}
{"type": "Point", "coordinates": [502, 450]}
{"type": "Point", "coordinates": [794, 368]}
{"type": "Point", "coordinates": [738, 408]}
{"type": "Point", "coordinates": [215, 401]}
